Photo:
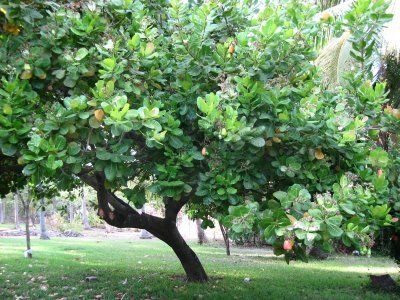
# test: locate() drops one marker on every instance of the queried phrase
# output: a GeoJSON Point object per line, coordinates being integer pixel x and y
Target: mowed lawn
{"type": "Point", "coordinates": [148, 269]}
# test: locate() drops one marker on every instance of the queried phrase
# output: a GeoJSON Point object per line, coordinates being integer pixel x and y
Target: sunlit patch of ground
{"type": "Point", "coordinates": [148, 269]}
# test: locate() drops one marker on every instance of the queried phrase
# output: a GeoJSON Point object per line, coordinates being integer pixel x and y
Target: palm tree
{"type": "Point", "coordinates": [334, 59]}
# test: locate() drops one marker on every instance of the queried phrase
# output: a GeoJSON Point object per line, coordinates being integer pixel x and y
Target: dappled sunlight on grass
{"type": "Point", "coordinates": [151, 269]}
{"type": "Point", "coordinates": [353, 266]}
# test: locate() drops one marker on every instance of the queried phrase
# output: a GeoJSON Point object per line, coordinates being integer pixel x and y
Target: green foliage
{"type": "Point", "coordinates": [215, 102]}
{"type": "Point", "coordinates": [365, 21]}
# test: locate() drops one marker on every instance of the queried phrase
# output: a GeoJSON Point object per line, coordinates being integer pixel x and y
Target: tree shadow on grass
{"type": "Point", "coordinates": [144, 271]}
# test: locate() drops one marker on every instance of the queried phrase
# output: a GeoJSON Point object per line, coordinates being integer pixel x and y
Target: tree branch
{"type": "Point", "coordinates": [118, 213]}
{"type": "Point", "coordinates": [173, 207]}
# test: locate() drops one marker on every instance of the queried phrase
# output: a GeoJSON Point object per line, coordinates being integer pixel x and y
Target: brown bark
{"type": "Point", "coordinates": [27, 230]}
{"type": "Point", "coordinates": [226, 239]}
{"type": "Point", "coordinates": [189, 260]}
{"type": "Point", "coordinates": [26, 205]}
{"type": "Point", "coordinates": [118, 213]}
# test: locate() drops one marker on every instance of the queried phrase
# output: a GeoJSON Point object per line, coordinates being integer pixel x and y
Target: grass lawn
{"type": "Point", "coordinates": [149, 270]}
{"type": "Point", "coordinates": [9, 226]}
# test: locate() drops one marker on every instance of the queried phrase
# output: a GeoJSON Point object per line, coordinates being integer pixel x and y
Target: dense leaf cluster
{"type": "Point", "coordinates": [217, 102]}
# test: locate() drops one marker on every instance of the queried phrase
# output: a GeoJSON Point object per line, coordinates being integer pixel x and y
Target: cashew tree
{"type": "Point", "coordinates": [217, 106]}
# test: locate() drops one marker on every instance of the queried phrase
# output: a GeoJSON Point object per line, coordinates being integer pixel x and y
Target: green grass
{"type": "Point", "coordinates": [152, 271]}
{"type": "Point", "coordinates": [9, 226]}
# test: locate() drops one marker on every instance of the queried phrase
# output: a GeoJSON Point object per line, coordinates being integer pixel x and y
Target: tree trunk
{"type": "Point", "coordinates": [189, 260]}
{"type": "Point", "coordinates": [2, 213]}
{"type": "Point", "coordinates": [16, 212]}
{"type": "Point", "coordinates": [33, 218]}
{"type": "Point", "coordinates": [42, 217]}
{"type": "Point", "coordinates": [70, 213]}
{"type": "Point", "coordinates": [118, 213]}
{"type": "Point", "coordinates": [201, 235]}
{"type": "Point", "coordinates": [85, 220]}
{"type": "Point", "coordinates": [27, 230]}
{"type": "Point", "coordinates": [226, 239]}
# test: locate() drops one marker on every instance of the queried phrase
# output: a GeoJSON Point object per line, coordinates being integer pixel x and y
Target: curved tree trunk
{"type": "Point", "coordinates": [189, 260]}
{"type": "Point", "coordinates": [226, 239]}
{"type": "Point", "coordinates": [116, 212]}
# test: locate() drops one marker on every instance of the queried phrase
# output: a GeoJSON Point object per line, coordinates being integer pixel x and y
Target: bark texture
{"type": "Point", "coordinates": [118, 213]}
{"type": "Point", "coordinates": [26, 203]}
{"type": "Point", "coordinates": [226, 239]}
{"type": "Point", "coordinates": [27, 230]}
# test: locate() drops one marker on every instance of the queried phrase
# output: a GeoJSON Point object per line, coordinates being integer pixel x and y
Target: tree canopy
{"type": "Point", "coordinates": [219, 106]}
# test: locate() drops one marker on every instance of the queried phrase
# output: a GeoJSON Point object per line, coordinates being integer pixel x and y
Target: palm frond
{"type": "Point", "coordinates": [391, 34]}
{"type": "Point", "coordinates": [334, 58]}
{"type": "Point", "coordinates": [338, 10]}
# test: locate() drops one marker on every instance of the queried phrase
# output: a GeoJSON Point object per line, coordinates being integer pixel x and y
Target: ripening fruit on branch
{"type": "Point", "coordinates": [380, 172]}
{"type": "Point", "coordinates": [388, 109]}
{"type": "Point", "coordinates": [99, 114]}
{"type": "Point", "coordinates": [26, 74]}
{"type": "Point", "coordinates": [319, 154]}
{"type": "Point", "coordinates": [276, 139]}
{"type": "Point", "coordinates": [10, 28]}
{"type": "Point", "coordinates": [231, 48]}
{"type": "Point", "coordinates": [288, 245]}
{"type": "Point", "coordinates": [21, 160]}
{"type": "Point", "coordinates": [268, 143]}
{"type": "Point", "coordinates": [204, 151]}
{"type": "Point", "coordinates": [396, 113]}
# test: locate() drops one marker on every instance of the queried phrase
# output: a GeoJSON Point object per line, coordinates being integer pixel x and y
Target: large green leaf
{"type": "Point", "coordinates": [9, 149]}
{"type": "Point", "coordinates": [81, 54]}
{"type": "Point", "coordinates": [258, 142]}
{"type": "Point", "coordinates": [111, 171]}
